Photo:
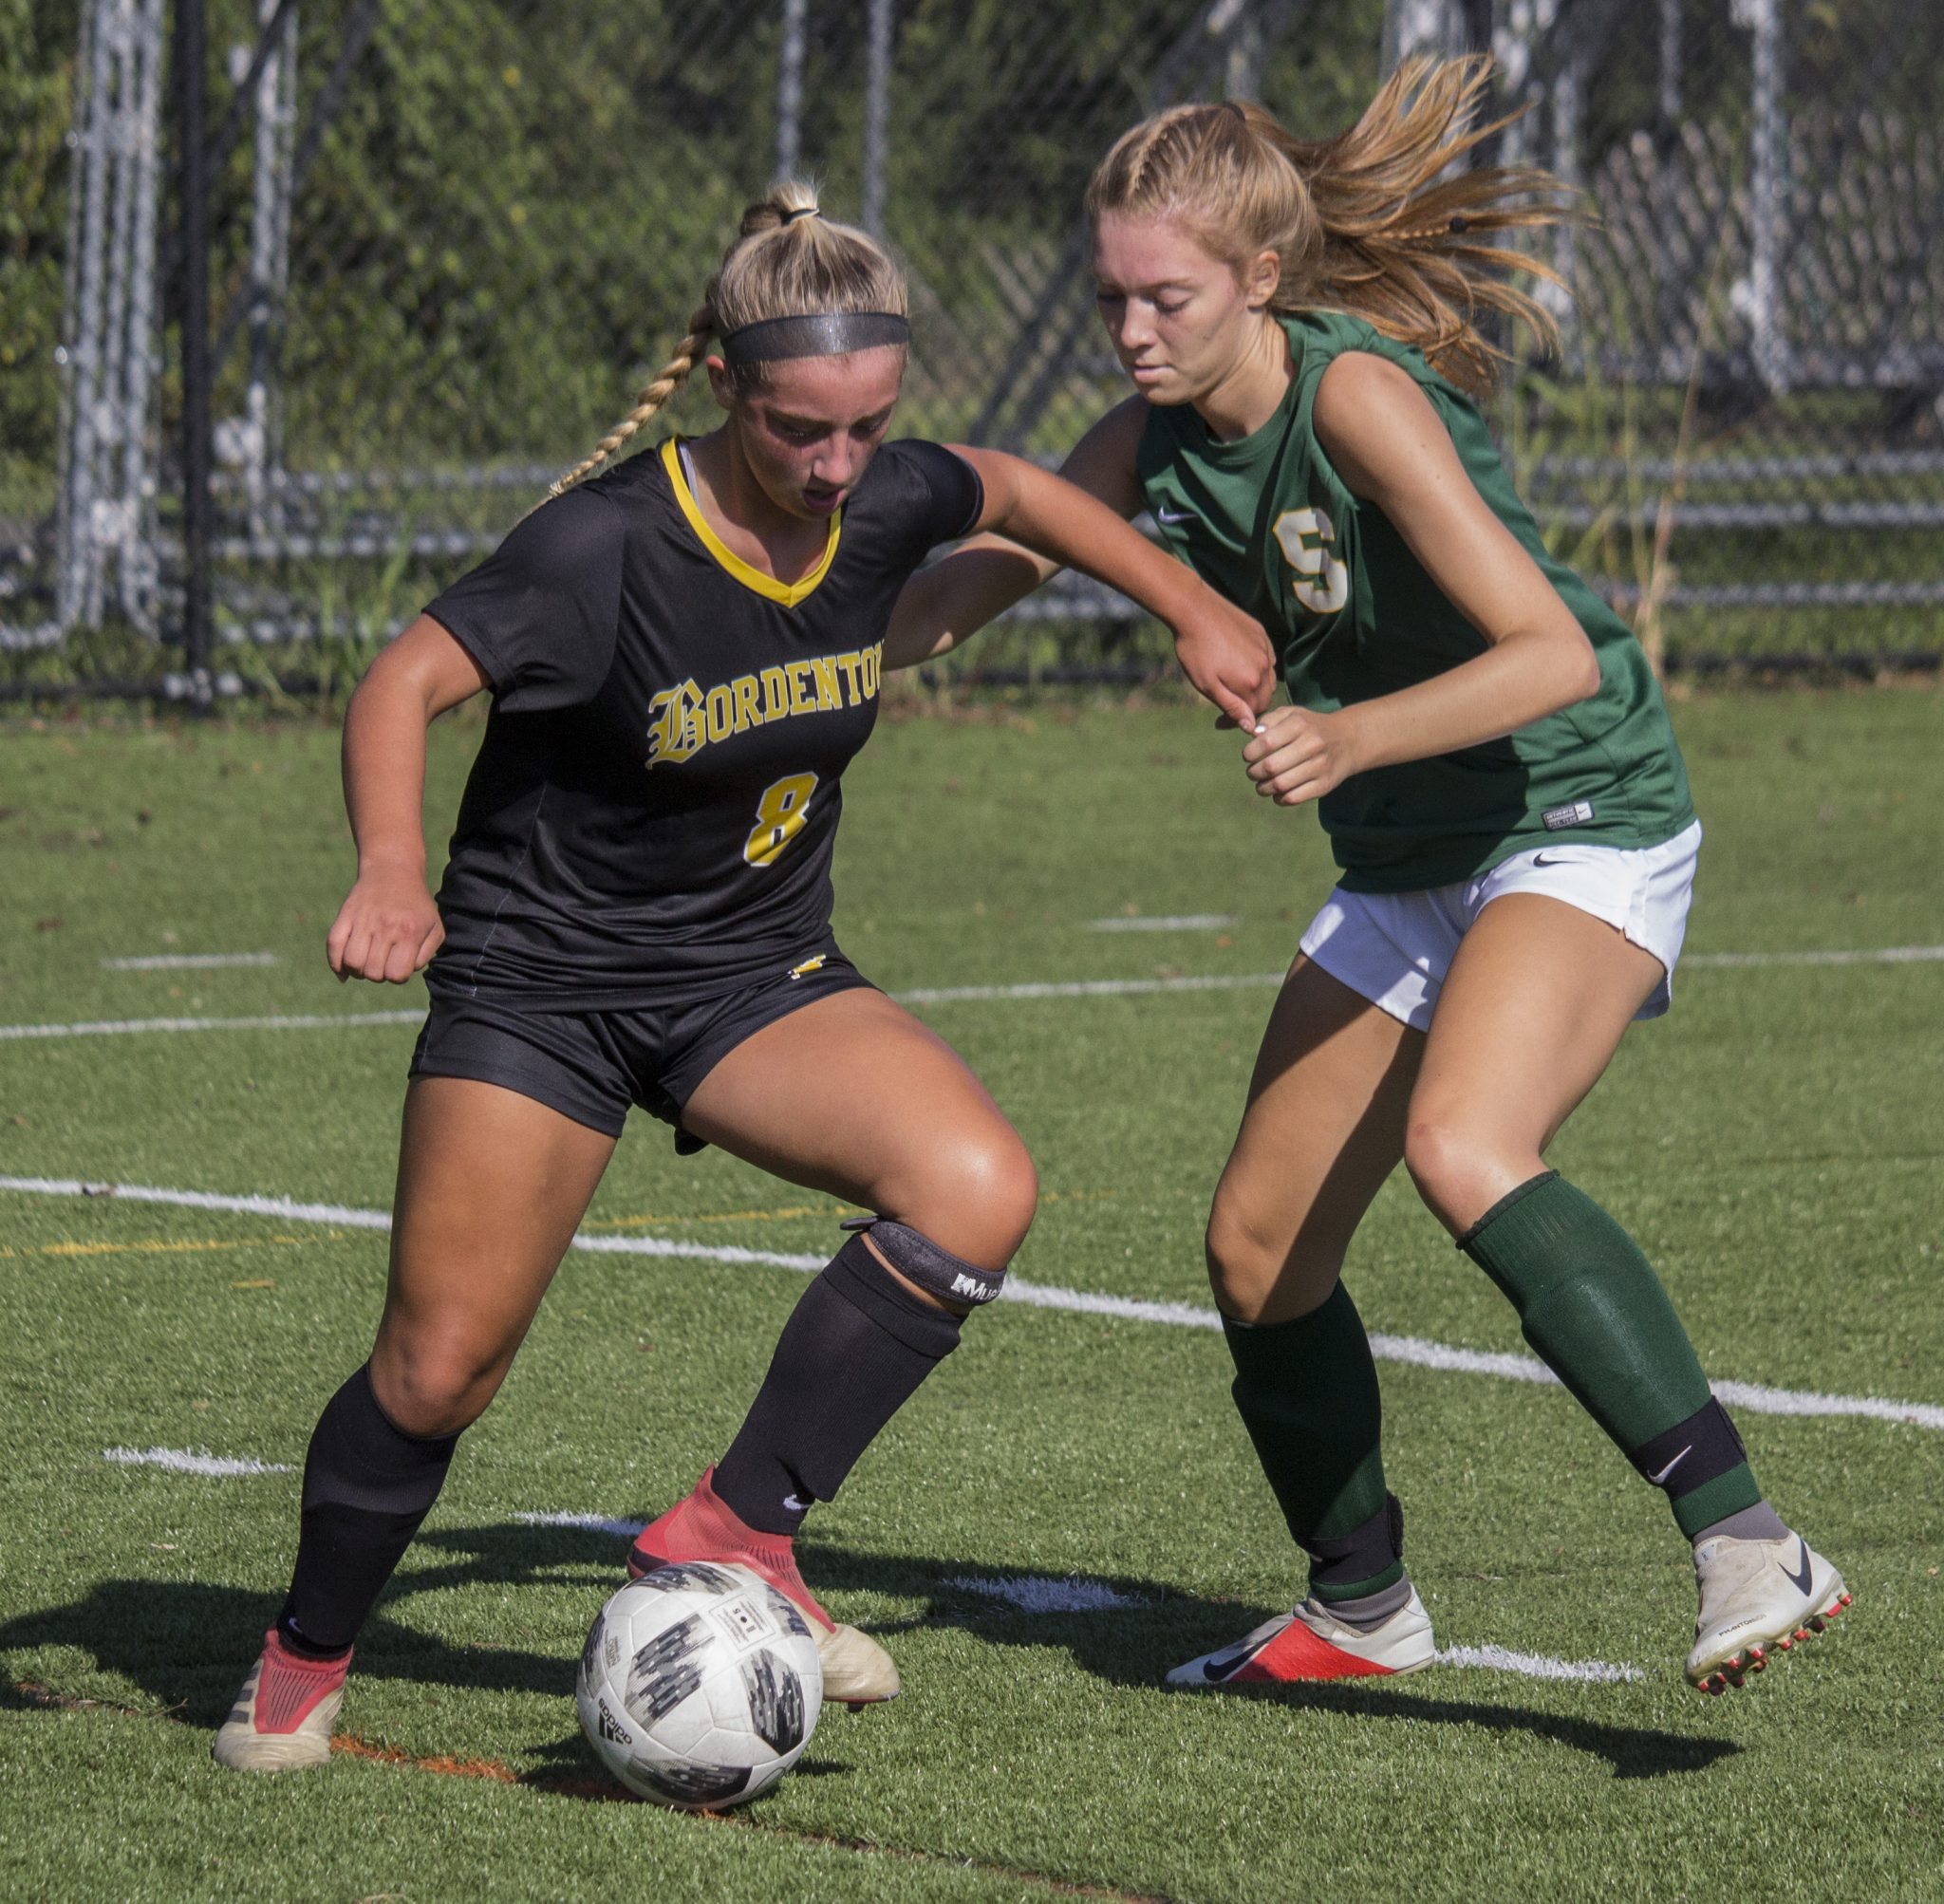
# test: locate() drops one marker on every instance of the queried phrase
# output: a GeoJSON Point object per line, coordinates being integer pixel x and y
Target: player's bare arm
{"type": "Point", "coordinates": [1227, 659]}
{"type": "Point", "coordinates": [1066, 526]}
{"type": "Point", "coordinates": [388, 926]}
{"type": "Point", "coordinates": [1391, 449]}
{"type": "Point", "coordinates": [948, 602]}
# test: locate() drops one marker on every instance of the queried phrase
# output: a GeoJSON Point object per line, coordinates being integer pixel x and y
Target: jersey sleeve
{"type": "Point", "coordinates": [540, 614]}
{"type": "Point", "coordinates": [944, 496]}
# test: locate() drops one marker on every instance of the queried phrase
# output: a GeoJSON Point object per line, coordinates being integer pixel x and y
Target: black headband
{"type": "Point", "coordinates": [831, 334]}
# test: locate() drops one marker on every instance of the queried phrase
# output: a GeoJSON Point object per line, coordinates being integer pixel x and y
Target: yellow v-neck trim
{"type": "Point", "coordinates": [789, 593]}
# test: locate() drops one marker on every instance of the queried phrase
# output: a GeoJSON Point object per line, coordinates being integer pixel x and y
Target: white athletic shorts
{"type": "Point", "coordinates": [1394, 948]}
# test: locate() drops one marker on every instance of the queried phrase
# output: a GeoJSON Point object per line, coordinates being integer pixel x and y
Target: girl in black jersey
{"type": "Point", "coordinates": [683, 652]}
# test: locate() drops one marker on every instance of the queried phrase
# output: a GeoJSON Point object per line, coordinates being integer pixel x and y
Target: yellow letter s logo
{"type": "Point", "coordinates": [1322, 583]}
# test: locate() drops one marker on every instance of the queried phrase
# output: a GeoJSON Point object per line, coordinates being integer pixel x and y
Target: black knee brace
{"type": "Point", "coordinates": [923, 1263]}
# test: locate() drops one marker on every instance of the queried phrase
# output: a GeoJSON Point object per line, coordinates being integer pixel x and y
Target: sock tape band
{"type": "Point", "coordinates": [920, 1261]}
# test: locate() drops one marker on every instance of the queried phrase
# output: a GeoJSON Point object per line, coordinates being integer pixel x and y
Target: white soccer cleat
{"type": "Point", "coordinates": [1310, 1645]}
{"type": "Point", "coordinates": [857, 1670]}
{"type": "Point", "coordinates": [283, 1716]}
{"type": "Point", "coordinates": [1757, 1596]}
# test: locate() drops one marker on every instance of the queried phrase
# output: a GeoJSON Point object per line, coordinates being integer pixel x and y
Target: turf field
{"type": "Point", "coordinates": [1070, 1507]}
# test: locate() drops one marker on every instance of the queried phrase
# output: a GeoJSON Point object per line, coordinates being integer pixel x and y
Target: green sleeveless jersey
{"type": "Point", "coordinates": [1353, 615]}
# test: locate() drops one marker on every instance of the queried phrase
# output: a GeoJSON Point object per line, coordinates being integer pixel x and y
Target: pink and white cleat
{"type": "Point", "coordinates": [1308, 1645]}
{"type": "Point", "coordinates": [702, 1526]}
{"type": "Point", "coordinates": [283, 1716]}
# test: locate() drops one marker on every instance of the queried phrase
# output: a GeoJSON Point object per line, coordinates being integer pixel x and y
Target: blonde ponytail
{"type": "Point", "coordinates": [1362, 222]}
{"type": "Point", "coordinates": [668, 380]}
{"type": "Point", "coordinates": [788, 260]}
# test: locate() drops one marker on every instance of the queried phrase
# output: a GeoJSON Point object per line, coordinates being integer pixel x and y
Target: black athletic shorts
{"type": "Point", "coordinates": [590, 1065]}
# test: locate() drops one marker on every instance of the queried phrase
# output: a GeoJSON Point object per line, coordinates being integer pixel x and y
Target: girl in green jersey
{"type": "Point", "coordinates": [1491, 756]}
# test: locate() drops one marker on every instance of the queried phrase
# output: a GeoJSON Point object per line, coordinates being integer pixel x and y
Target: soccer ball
{"type": "Point", "coordinates": [700, 1686]}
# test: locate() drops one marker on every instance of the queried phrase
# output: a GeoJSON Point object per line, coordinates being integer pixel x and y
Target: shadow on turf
{"type": "Point", "coordinates": [1135, 1646]}
{"type": "Point", "coordinates": [186, 1643]}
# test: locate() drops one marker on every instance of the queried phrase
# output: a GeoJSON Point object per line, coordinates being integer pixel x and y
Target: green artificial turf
{"type": "Point", "coordinates": [1774, 1145]}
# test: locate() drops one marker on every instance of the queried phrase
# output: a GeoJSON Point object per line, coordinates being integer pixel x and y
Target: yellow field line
{"type": "Point", "coordinates": [156, 1246]}
{"type": "Point", "coordinates": [647, 1220]}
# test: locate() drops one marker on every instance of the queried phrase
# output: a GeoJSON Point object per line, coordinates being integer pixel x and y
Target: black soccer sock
{"type": "Point", "coordinates": [1590, 1303]}
{"type": "Point", "coordinates": [852, 1353]}
{"type": "Point", "coordinates": [367, 1487]}
{"type": "Point", "coordinates": [1307, 1393]}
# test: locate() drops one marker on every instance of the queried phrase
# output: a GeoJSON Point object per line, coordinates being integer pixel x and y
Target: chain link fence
{"type": "Point", "coordinates": [446, 242]}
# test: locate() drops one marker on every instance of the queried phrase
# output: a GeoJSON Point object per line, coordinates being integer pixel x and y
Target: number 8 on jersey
{"type": "Point", "coordinates": [779, 818]}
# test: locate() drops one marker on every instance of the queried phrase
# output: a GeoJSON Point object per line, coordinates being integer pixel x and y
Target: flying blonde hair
{"type": "Point", "coordinates": [788, 260]}
{"type": "Point", "coordinates": [1362, 222]}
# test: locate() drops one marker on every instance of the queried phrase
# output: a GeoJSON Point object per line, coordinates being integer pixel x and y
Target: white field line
{"type": "Point", "coordinates": [188, 961]}
{"type": "Point", "coordinates": [1090, 988]}
{"type": "Point", "coordinates": [191, 1461]}
{"type": "Point", "coordinates": [936, 994]}
{"type": "Point", "coordinates": [593, 1524]}
{"type": "Point", "coordinates": [339, 1216]}
{"type": "Point", "coordinates": [1175, 922]}
{"type": "Point", "coordinates": [1032, 1594]}
{"type": "Point", "coordinates": [1536, 1665]}
{"type": "Point", "coordinates": [1413, 1350]}
{"type": "Point", "coordinates": [274, 1021]}
{"type": "Point", "coordinates": [1879, 955]}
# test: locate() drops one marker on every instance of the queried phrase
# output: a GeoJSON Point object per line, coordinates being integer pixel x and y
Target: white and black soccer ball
{"type": "Point", "coordinates": [700, 1685]}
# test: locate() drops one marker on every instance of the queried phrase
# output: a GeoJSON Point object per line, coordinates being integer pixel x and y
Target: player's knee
{"type": "Point", "coordinates": [1008, 1192]}
{"type": "Point", "coordinates": [1260, 1272]}
{"type": "Point", "coordinates": [1449, 1162]}
{"type": "Point", "coordinates": [1243, 1265]}
{"type": "Point", "coordinates": [977, 1199]}
{"type": "Point", "coordinates": [434, 1385]}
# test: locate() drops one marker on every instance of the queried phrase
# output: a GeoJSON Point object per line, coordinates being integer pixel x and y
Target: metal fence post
{"type": "Point", "coordinates": [260, 449]}
{"type": "Point", "coordinates": [790, 87]}
{"type": "Point", "coordinates": [1418, 27]}
{"type": "Point", "coordinates": [192, 156]}
{"type": "Point", "coordinates": [877, 105]}
{"type": "Point", "coordinates": [1767, 343]}
{"type": "Point", "coordinates": [1670, 77]}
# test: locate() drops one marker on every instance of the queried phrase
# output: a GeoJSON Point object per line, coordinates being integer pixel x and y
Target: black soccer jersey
{"type": "Point", "coordinates": [652, 811]}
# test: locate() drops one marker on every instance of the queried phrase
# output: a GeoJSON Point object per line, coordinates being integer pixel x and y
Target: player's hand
{"type": "Point", "coordinates": [1228, 657]}
{"type": "Point", "coordinates": [387, 930]}
{"type": "Point", "coordinates": [1296, 755]}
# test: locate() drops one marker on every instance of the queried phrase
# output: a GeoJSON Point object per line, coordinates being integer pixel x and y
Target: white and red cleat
{"type": "Point", "coordinates": [1308, 1646]}
{"type": "Point", "coordinates": [702, 1526]}
{"type": "Point", "coordinates": [1758, 1597]}
{"type": "Point", "coordinates": [283, 1716]}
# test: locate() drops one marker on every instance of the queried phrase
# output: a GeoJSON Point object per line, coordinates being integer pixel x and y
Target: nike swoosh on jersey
{"type": "Point", "coordinates": [1539, 859]}
{"type": "Point", "coordinates": [1184, 515]}
{"type": "Point", "coordinates": [1654, 1479]}
{"type": "Point", "coordinates": [1800, 1579]}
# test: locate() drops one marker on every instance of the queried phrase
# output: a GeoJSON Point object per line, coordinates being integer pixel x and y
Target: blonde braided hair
{"type": "Point", "coordinates": [1361, 222]}
{"type": "Point", "coordinates": [664, 383]}
{"type": "Point", "coordinates": [786, 260]}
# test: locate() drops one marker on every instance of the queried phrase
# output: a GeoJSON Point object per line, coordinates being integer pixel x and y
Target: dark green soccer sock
{"type": "Point", "coordinates": [1307, 1391]}
{"type": "Point", "coordinates": [1590, 1303]}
